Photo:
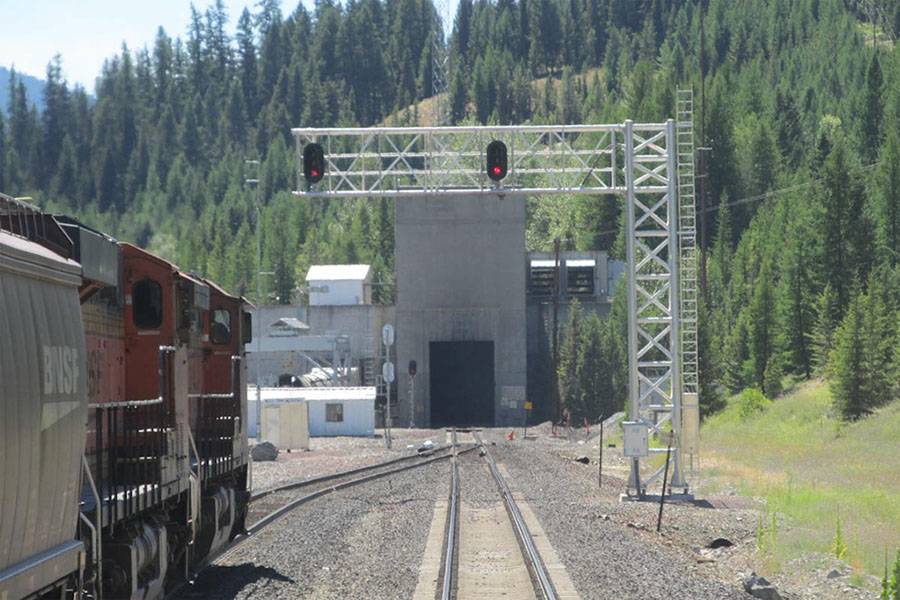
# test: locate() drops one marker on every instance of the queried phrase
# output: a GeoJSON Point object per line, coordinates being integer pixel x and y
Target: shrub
{"type": "Point", "coordinates": [751, 401]}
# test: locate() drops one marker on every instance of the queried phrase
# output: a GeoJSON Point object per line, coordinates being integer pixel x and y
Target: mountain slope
{"type": "Point", "coordinates": [34, 89]}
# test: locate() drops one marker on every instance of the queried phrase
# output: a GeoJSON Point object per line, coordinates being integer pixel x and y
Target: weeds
{"type": "Point", "coordinates": [767, 530]}
{"type": "Point", "coordinates": [838, 547]}
{"type": "Point", "coordinates": [890, 585]}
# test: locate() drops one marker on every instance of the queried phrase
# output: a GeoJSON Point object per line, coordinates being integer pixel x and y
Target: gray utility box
{"type": "Point", "coordinates": [636, 439]}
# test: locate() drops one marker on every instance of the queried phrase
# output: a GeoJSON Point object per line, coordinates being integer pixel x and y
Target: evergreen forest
{"type": "Point", "coordinates": [802, 126]}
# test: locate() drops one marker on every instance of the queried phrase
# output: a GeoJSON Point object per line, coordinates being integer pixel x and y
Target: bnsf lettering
{"type": "Point", "coordinates": [60, 370]}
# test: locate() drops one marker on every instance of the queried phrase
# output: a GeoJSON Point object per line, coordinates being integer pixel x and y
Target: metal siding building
{"type": "Point", "coordinates": [339, 285]}
{"type": "Point", "coordinates": [357, 408]}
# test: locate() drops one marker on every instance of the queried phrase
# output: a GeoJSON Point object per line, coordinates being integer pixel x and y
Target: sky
{"type": "Point", "coordinates": [86, 33]}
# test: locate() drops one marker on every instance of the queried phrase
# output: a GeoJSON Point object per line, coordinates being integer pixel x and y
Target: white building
{"type": "Point", "coordinates": [331, 411]}
{"type": "Point", "coordinates": [339, 285]}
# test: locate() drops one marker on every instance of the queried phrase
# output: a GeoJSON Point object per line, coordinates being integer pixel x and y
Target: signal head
{"type": "Point", "coordinates": [496, 160]}
{"type": "Point", "coordinates": [313, 163]}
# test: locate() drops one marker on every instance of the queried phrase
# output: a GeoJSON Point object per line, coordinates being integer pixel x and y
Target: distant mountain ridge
{"type": "Point", "coordinates": [34, 89]}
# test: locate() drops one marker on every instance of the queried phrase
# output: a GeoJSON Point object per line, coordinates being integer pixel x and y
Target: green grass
{"type": "Point", "coordinates": [797, 455]}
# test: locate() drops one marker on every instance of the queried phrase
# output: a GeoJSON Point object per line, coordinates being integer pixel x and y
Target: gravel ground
{"type": "Point", "coordinates": [690, 529]}
{"type": "Point", "coordinates": [367, 541]}
{"type": "Point", "coordinates": [588, 528]}
{"type": "Point", "coordinates": [332, 454]}
{"type": "Point", "coordinates": [364, 542]}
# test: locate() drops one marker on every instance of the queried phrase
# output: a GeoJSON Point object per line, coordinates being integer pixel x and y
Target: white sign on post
{"type": "Point", "coordinates": [387, 372]}
{"type": "Point", "coordinates": [387, 335]}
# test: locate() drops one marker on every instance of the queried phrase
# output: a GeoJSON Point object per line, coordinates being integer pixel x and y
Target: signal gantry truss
{"type": "Point", "coordinates": [411, 161]}
{"type": "Point", "coordinates": [637, 161]}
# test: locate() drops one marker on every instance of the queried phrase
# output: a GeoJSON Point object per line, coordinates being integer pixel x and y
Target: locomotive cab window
{"type": "Point", "coordinates": [220, 326]}
{"type": "Point", "coordinates": [146, 298]}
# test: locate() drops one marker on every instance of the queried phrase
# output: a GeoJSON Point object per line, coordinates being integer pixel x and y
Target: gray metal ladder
{"type": "Point", "coordinates": [687, 238]}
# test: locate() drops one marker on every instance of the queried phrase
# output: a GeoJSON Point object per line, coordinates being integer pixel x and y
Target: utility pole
{"type": "Point", "coordinates": [703, 150]}
{"type": "Point", "coordinates": [554, 378]}
{"type": "Point", "coordinates": [258, 297]}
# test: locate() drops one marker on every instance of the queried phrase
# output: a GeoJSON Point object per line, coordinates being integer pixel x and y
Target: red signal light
{"type": "Point", "coordinates": [313, 163]}
{"type": "Point", "coordinates": [496, 160]}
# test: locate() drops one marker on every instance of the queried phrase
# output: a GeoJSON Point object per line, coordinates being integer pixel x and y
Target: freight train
{"type": "Point", "coordinates": [124, 462]}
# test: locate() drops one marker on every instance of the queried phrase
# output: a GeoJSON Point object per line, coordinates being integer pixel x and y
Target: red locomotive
{"type": "Point", "coordinates": [116, 353]}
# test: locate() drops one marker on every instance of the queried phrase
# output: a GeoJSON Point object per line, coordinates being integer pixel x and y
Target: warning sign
{"type": "Point", "coordinates": [528, 406]}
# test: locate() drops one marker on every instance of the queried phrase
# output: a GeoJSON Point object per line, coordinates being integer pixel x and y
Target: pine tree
{"type": "Point", "coordinates": [880, 339]}
{"type": "Point", "coordinates": [247, 61]}
{"type": "Point", "coordinates": [842, 235]}
{"type": "Point", "coordinates": [709, 367]}
{"type": "Point", "coordinates": [872, 109]}
{"type": "Point", "coordinates": [53, 119]}
{"type": "Point", "coordinates": [849, 386]}
{"type": "Point", "coordinates": [796, 294]}
{"type": "Point", "coordinates": [827, 322]}
{"type": "Point", "coordinates": [762, 325]}
{"type": "Point", "coordinates": [570, 391]}
{"type": "Point", "coordinates": [457, 96]}
{"type": "Point", "coordinates": [886, 200]}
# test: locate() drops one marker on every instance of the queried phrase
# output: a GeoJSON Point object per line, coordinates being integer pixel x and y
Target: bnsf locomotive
{"type": "Point", "coordinates": [123, 441]}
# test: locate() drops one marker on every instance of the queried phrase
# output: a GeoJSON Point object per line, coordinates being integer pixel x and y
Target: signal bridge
{"type": "Point", "coordinates": [640, 161]}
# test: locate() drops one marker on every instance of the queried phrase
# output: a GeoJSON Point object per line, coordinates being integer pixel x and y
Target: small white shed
{"type": "Point", "coordinates": [339, 285]}
{"type": "Point", "coordinates": [330, 411]}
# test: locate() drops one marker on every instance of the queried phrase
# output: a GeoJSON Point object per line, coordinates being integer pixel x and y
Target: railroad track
{"type": "Point", "coordinates": [268, 506]}
{"type": "Point", "coordinates": [540, 580]}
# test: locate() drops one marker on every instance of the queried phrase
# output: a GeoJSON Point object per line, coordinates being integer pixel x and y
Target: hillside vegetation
{"type": "Point", "coordinates": [798, 456]}
{"type": "Point", "coordinates": [803, 126]}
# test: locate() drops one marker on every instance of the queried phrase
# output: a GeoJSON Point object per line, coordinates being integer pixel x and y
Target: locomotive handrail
{"type": "Point", "coordinates": [98, 518]}
{"type": "Point", "coordinates": [126, 403]}
{"type": "Point", "coordinates": [211, 396]}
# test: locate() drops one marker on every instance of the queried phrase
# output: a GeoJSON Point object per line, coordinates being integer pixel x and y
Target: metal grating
{"type": "Point", "coordinates": [446, 161]}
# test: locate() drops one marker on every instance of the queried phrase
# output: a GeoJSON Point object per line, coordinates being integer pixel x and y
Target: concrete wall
{"type": "Point", "coordinates": [461, 277]}
{"type": "Point", "coordinates": [362, 323]}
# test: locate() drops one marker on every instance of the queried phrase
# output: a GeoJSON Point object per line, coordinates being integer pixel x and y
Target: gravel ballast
{"type": "Point", "coordinates": [363, 542]}
{"type": "Point", "coordinates": [603, 558]}
{"type": "Point", "coordinates": [333, 454]}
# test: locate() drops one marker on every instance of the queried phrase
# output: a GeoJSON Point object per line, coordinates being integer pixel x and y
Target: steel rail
{"type": "Point", "coordinates": [330, 476]}
{"type": "Point", "coordinates": [286, 508]}
{"type": "Point", "coordinates": [451, 526]}
{"type": "Point", "coordinates": [533, 558]}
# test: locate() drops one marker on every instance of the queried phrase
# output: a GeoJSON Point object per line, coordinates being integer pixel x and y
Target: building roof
{"type": "Point", "coordinates": [338, 272]}
{"type": "Point", "coordinates": [324, 394]}
{"type": "Point", "coordinates": [289, 323]}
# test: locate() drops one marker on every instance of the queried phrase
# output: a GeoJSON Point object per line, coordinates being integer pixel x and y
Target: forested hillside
{"type": "Point", "coordinates": [802, 120]}
{"type": "Point", "coordinates": [34, 88]}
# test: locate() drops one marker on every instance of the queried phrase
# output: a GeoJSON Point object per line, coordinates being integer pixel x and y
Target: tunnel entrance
{"type": "Point", "coordinates": [462, 383]}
